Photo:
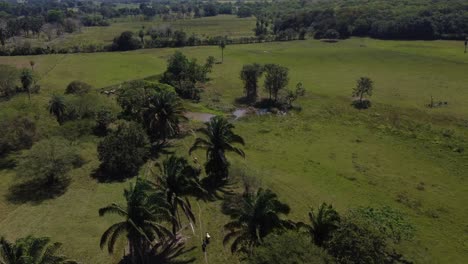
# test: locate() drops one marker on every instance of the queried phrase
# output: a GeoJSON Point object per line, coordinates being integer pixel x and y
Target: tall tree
{"type": "Point", "coordinates": [176, 180]}
{"type": "Point", "coordinates": [32, 250]}
{"type": "Point", "coordinates": [322, 223]}
{"type": "Point", "coordinates": [57, 107]}
{"type": "Point", "coordinates": [258, 216]}
{"type": "Point", "coordinates": [218, 139]}
{"type": "Point", "coordinates": [276, 79]}
{"type": "Point", "coordinates": [364, 86]}
{"type": "Point", "coordinates": [27, 80]}
{"type": "Point", "coordinates": [222, 46]}
{"type": "Point", "coordinates": [249, 75]}
{"type": "Point", "coordinates": [163, 115]}
{"type": "Point", "coordinates": [141, 223]}
{"type": "Point", "coordinates": [49, 161]}
{"type": "Point", "coordinates": [124, 150]}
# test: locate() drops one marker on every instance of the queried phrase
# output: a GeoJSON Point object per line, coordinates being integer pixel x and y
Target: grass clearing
{"type": "Point", "coordinates": [327, 152]}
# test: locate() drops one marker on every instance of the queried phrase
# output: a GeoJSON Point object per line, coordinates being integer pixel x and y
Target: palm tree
{"type": "Point", "coordinates": [163, 115]}
{"type": "Point", "coordinates": [219, 139]}
{"type": "Point", "coordinates": [141, 220]}
{"type": "Point", "coordinates": [167, 251]}
{"type": "Point", "coordinates": [32, 250]}
{"type": "Point", "coordinates": [177, 179]}
{"type": "Point", "coordinates": [258, 216]}
{"type": "Point", "coordinates": [222, 45]}
{"type": "Point", "coordinates": [57, 107]}
{"type": "Point", "coordinates": [322, 223]}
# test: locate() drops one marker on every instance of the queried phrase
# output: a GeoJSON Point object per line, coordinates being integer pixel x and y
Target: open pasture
{"type": "Point", "coordinates": [393, 154]}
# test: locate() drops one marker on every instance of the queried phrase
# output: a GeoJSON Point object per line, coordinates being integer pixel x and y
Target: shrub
{"type": "Point", "coordinates": [126, 41]}
{"type": "Point", "coordinates": [288, 248]}
{"type": "Point", "coordinates": [78, 87]}
{"type": "Point", "coordinates": [9, 77]}
{"type": "Point", "coordinates": [49, 161]}
{"type": "Point", "coordinates": [364, 104]}
{"type": "Point", "coordinates": [123, 150]}
{"type": "Point", "coordinates": [16, 133]}
{"type": "Point", "coordinates": [103, 119]}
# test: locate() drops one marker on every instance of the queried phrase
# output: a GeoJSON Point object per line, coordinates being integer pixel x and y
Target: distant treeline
{"type": "Point", "coordinates": [383, 19]}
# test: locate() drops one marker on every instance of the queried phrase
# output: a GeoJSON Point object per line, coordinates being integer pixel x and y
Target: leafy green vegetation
{"type": "Point", "coordinates": [399, 153]}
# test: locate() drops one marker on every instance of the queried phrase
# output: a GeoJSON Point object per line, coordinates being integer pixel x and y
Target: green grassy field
{"type": "Point", "coordinates": [223, 25]}
{"type": "Point", "coordinates": [328, 152]}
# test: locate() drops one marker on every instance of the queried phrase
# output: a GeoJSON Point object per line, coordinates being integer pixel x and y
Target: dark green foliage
{"type": "Point", "coordinates": [49, 161]}
{"type": "Point", "coordinates": [322, 223]}
{"type": "Point", "coordinates": [356, 242]}
{"type": "Point", "coordinates": [258, 216]}
{"type": "Point", "coordinates": [368, 235]}
{"type": "Point", "coordinates": [16, 133]}
{"type": "Point", "coordinates": [32, 250]}
{"type": "Point", "coordinates": [175, 181]}
{"type": "Point", "coordinates": [393, 19]}
{"type": "Point", "coordinates": [55, 16]}
{"type": "Point", "coordinates": [288, 248]}
{"type": "Point", "coordinates": [126, 41]}
{"type": "Point", "coordinates": [8, 80]}
{"type": "Point", "coordinates": [249, 75]}
{"type": "Point", "coordinates": [184, 75]}
{"type": "Point", "coordinates": [331, 34]}
{"type": "Point", "coordinates": [244, 11]}
{"type": "Point", "coordinates": [276, 79]}
{"type": "Point", "coordinates": [390, 222]}
{"type": "Point", "coordinates": [222, 46]}
{"type": "Point", "coordinates": [162, 115]}
{"type": "Point", "coordinates": [218, 139]}
{"type": "Point", "coordinates": [123, 150]}
{"type": "Point", "coordinates": [57, 107]}
{"type": "Point", "coordinates": [27, 80]}
{"type": "Point", "coordinates": [85, 106]}
{"type": "Point", "coordinates": [141, 220]}
{"type": "Point", "coordinates": [364, 86]}
{"type": "Point", "coordinates": [132, 98]}
{"type": "Point", "coordinates": [78, 88]}
{"type": "Point", "coordinates": [104, 118]}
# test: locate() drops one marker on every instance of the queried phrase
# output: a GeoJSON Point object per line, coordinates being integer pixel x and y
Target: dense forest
{"type": "Point", "coordinates": [390, 19]}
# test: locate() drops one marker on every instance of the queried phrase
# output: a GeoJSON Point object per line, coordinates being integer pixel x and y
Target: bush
{"type": "Point", "coordinates": [132, 96]}
{"type": "Point", "coordinates": [369, 235]}
{"type": "Point", "coordinates": [9, 78]}
{"type": "Point", "coordinates": [16, 133]}
{"type": "Point", "coordinates": [49, 161]}
{"type": "Point", "coordinates": [76, 129]}
{"type": "Point", "coordinates": [288, 248]}
{"type": "Point", "coordinates": [123, 150]}
{"type": "Point", "coordinates": [126, 41]}
{"type": "Point", "coordinates": [103, 119]}
{"type": "Point", "coordinates": [81, 107]}
{"type": "Point", "coordinates": [78, 87]}
{"type": "Point", "coordinates": [364, 104]}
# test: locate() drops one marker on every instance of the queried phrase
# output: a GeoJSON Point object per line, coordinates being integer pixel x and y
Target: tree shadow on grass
{"type": "Point", "coordinates": [103, 176]}
{"type": "Point", "coordinates": [36, 191]}
{"type": "Point", "coordinates": [244, 101]}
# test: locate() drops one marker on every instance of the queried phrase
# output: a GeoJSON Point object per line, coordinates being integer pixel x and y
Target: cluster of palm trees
{"type": "Point", "coordinates": [154, 205]}
{"type": "Point", "coordinates": [32, 250]}
{"type": "Point", "coordinates": [260, 213]}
